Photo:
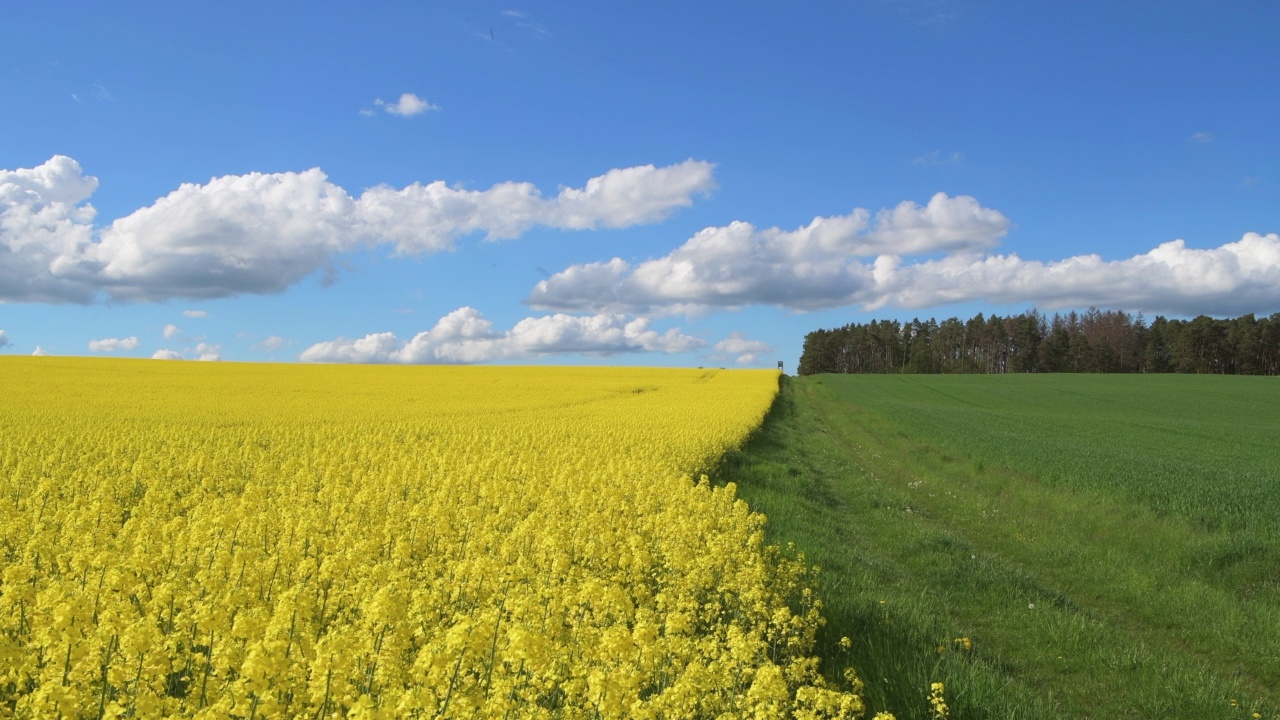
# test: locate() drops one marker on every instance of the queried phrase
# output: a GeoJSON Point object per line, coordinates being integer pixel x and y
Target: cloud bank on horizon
{"type": "Point", "coordinates": [207, 352]}
{"type": "Point", "coordinates": [262, 233]}
{"type": "Point", "coordinates": [114, 344]}
{"type": "Point", "coordinates": [465, 336]}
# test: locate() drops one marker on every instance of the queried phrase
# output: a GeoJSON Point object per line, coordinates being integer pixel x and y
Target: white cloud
{"type": "Point", "coordinates": [171, 331]}
{"type": "Point", "coordinates": [372, 348]}
{"type": "Point", "coordinates": [195, 313]}
{"type": "Point", "coordinates": [273, 342]}
{"type": "Point", "coordinates": [407, 106]}
{"type": "Point", "coordinates": [631, 196]}
{"type": "Point", "coordinates": [39, 352]}
{"type": "Point", "coordinates": [864, 260]}
{"type": "Point", "coordinates": [1201, 137]}
{"type": "Point", "coordinates": [113, 344]}
{"type": "Point", "coordinates": [743, 350]}
{"type": "Point", "coordinates": [4, 339]}
{"type": "Point", "coordinates": [1233, 279]}
{"type": "Point", "coordinates": [43, 217]}
{"type": "Point", "coordinates": [811, 267]}
{"type": "Point", "coordinates": [261, 233]}
{"type": "Point", "coordinates": [946, 224]}
{"type": "Point", "coordinates": [465, 336]}
{"type": "Point", "coordinates": [238, 233]}
{"type": "Point", "coordinates": [202, 351]}
{"type": "Point", "coordinates": [428, 218]}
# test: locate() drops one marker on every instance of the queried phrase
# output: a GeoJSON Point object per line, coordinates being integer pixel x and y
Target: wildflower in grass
{"type": "Point", "coordinates": [855, 682]}
{"type": "Point", "coordinates": [937, 701]}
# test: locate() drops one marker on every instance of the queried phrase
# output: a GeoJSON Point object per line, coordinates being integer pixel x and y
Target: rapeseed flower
{"type": "Point", "coordinates": [263, 541]}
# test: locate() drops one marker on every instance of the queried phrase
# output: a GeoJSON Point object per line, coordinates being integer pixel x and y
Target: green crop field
{"type": "Point", "coordinates": [1046, 546]}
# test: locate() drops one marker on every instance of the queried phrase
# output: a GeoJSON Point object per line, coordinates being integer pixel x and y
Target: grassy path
{"type": "Point", "coordinates": [1080, 596]}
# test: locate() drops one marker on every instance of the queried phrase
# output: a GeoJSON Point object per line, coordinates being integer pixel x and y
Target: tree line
{"type": "Point", "coordinates": [1097, 341]}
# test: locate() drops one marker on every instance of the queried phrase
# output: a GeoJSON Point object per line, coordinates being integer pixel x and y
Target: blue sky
{"type": "Point", "coordinates": [652, 184]}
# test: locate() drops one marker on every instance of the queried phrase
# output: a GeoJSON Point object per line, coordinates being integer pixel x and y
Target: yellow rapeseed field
{"type": "Point", "coordinates": [227, 540]}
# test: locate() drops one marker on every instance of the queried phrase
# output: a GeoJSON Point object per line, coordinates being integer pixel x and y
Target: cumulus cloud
{"type": "Point", "coordinates": [465, 336]}
{"type": "Point", "coordinates": [428, 218]}
{"type": "Point", "coordinates": [208, 352]}
{"type": "Point", "coordinates": [813, 266]}
{"type": "Point", "coordinates": [239, 233]}
{"type": "Point", "coordinates": [202, 351]}
{"type": "Point", "coordinates": [407, 106]}
{"type": "Point", "coordinates": [914, 256]}
{"type": "Point", "coordinates": [742, 349]}
{"type": "Point", "coordinates": [272, 342]}
{"type": "Point", "coordinates": [114, 344]}
{"type": "Point", "coordinates": [44, 217]}
{"type": "Point", "coordinates": [171, 331]}
{"type": "Point", "coordinates": [1235, 278]}
{"type": "Point", "coordinates": [39, 352]}
{"type": "Point", "coordinates": [261, 233]}
{"type": "Point", "coordinates": [4, 339]}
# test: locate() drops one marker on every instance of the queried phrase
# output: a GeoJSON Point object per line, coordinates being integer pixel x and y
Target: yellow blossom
{"type": "Point", "coordinates": [330, 541]}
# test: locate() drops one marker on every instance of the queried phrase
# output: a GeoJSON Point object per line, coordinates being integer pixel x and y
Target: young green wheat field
{"type": "Point", "coordinates": [1047, 546]}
